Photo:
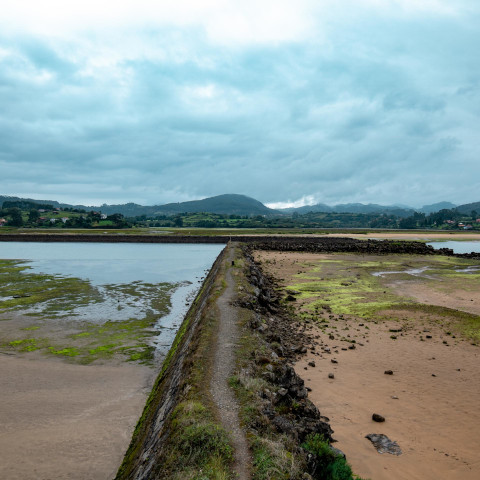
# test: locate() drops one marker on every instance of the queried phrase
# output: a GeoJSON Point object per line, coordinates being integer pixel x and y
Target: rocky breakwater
{"type": "Point", "coordinates": [285, 406]}
{"type": "Point", "coordinates": [340, 244]}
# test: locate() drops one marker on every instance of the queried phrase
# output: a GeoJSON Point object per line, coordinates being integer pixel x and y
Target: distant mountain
{"type": "Point", "coordinates": [228, 204]}
{"type": "Point", "coordinates": [319, 207]}
{"type": "Point", "coordinates": [352, 208]}
{"type": "Point", "coordinates": [372, 208]}
{"type": "Point", "coordinates": [7, 198]}
{"type": "Point", "coordinates": [436, 207]}
{"type": "Point", "coordinates": [224, 204]}
{"type": "Point", "coordinates": [468, 207]}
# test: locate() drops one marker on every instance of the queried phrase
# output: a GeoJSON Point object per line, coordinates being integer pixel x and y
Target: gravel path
{"type": "Point", "coordinates": [223, 368]}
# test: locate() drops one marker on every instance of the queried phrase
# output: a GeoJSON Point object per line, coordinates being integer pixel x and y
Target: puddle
{"type": "Point", "coordinates": [416, 272]}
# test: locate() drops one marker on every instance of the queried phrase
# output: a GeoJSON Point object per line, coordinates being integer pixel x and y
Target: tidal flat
{"type": "Point", "coordinates": [417, 317]}
{"type": "Point", "coordinates": [70, 317]}
{"type": "Point", "coordinates": [83, 332]}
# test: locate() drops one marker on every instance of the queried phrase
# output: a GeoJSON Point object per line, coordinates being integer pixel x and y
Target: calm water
{"type": "Point", "coordinates": [107, 263]}
{"type": "Point", "coordinates": [458, 247]}
{"type": "Point", "coordinates": [125, 275]}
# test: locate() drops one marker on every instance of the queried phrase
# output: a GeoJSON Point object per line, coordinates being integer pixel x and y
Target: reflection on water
{"type": "Point", "coordinates": [155, 281]}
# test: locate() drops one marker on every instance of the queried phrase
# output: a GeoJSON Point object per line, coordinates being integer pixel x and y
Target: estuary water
{"type": "Point", "coordinates": [458, 247]}
{"type": "Point", "coordinates": [130, 280]}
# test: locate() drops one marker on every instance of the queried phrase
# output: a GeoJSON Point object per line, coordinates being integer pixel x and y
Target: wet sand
{"type": "Point", "coordinates": [435, 418]}
{"type": "Point", "coordinates": [67, 421]}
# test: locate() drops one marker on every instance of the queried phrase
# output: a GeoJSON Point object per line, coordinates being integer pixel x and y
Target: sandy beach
{"type": "Point", "coordinates": [67, 421]}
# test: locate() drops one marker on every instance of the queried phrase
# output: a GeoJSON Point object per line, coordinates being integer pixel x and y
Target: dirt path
{"type": "Point", "coordinates": [224, 363]}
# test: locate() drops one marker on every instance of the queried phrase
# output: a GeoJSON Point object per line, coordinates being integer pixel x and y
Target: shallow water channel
{"type": "Point", "coordinates": [101, 294]}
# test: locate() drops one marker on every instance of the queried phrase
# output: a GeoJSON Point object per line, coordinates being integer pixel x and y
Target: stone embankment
{"type": "Point", "coordinates": [260, 242]}
{"type": "Point", "coordinates": [146, 445]}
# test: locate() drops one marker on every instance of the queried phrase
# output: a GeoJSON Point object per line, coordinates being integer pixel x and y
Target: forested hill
{"type": "Point", "coordinates": [228, 204]}
{"type": "Point", "coordinates": [469, 207]}
{"type": "Point", "coordinates": [234, 204]}
{"type": "Point", "coordinates": [224, 204]}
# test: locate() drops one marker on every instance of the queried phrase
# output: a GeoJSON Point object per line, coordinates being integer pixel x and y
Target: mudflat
{"type": "Point", "coordinates": [60, 420]}
{"type": "Point", "coordinates": [419, 322]}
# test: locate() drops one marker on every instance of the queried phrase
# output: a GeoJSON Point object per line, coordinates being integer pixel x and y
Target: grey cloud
{"type": "Point", "coordinates": [343, 121]}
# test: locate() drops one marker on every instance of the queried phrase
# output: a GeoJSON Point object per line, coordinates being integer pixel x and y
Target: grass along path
{"type": "Point", "coordinates": [223, 369]}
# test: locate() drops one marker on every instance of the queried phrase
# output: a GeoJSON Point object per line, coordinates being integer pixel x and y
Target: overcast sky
{"type": "Point", "coordinates": [305, 101]}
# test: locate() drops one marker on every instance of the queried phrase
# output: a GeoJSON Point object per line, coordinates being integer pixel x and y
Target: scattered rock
{"type": "Point", "coordinates": [311, 363]}
{"type": "Point", "coordinates": [394, 397]}
{"type": "Point", "coordinates": [383, 444]}
{"type": "Point", "coordinates": [334, 361]}
{"type": "Point", "coordinates": [331, 375]}
{"type": "Point", "coordinates": [378, 418]}
{"type": "Point", "coordinates": [428, 336]}
{"type": "Point", "coordinates": [282, 391]}
{"type": "Point", "coordinates": [388, 372]}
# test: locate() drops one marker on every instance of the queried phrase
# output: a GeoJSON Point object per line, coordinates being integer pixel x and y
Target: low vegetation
{"type": "Point", "coordinates": [344, 284]}
{"type": "Point", "coordinates": [45, 313]}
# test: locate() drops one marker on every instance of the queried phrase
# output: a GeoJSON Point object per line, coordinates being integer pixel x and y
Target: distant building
{"type": "Point", "coordinates": [53, 220]}
{"type": "Point", "coordinates": [103, 216]}
{"type": "Point", "coordinates": [2, 222]}
{"type": "Point", "coordinates": [64, 219]}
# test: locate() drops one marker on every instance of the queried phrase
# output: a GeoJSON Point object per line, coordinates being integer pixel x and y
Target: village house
{"type": "Point", "coordinates": [103, 216]}
{"type": "Point", "coordinates": [64, 219]}
{"type": "Point", "coordinates": [2, 222]}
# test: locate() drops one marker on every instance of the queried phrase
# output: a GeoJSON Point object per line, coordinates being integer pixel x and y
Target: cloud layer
{"type": "Point", "coordinates": [352, 101]}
